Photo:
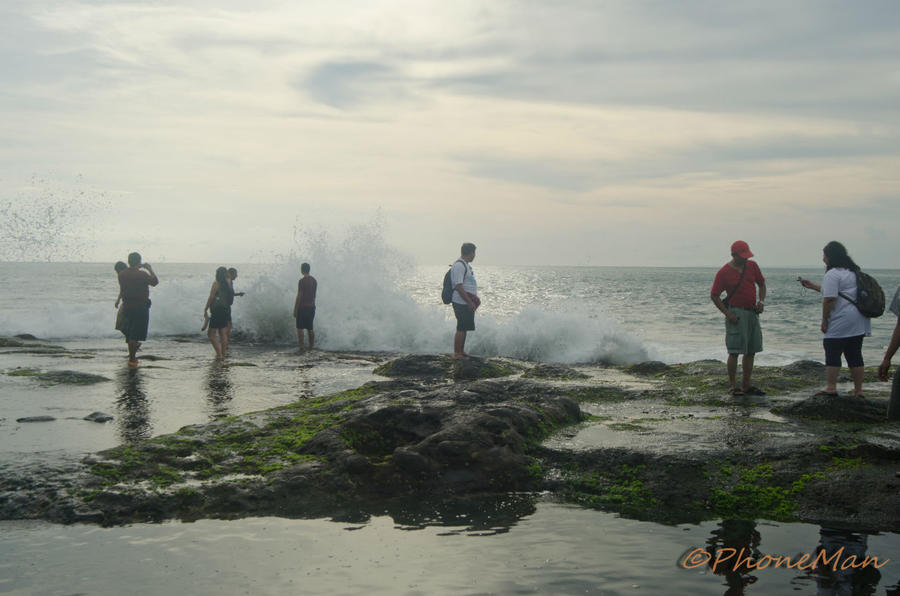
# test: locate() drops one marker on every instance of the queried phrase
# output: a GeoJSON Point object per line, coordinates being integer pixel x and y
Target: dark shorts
{"type": "Point", "coordinates": [465, 317]}
{"type": "Point", "coordinates": [305, 316]}
{"type": "Point", "coordinates": [220, 317]}
{"type": "Point", "coordinates": [850, 347]}
{"type": "Point", "coordinates": [135, 322]}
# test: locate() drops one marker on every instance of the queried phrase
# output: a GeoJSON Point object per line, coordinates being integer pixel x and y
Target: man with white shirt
{"type": "Point", "coordinates": [465, 297]}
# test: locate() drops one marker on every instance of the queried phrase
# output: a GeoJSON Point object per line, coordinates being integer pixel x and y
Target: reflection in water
{"type": "Point", "coordinates": [483, 515]}
{"type": "Point", "coordinates": [134, 409]}
{"type": "Point", "coordinates": [738, 535]}
{"type": "Point", "coordinates": [852, 581]}
{"type": "Point", "coordinates": [219, 390]}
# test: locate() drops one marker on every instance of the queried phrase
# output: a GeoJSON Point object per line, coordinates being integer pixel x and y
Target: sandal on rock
{"type": "Point", "coordinates": [737, 392]}
{"type": "Point", "coordinates": [753, 390]}
{"type": "Point", "coordinates": [825, 394]}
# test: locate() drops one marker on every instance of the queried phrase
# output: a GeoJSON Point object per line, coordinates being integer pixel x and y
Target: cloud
{"type": "Point", "coordinates": [350, 84]}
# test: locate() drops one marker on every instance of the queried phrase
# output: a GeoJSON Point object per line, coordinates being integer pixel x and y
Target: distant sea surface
{"type": "Point", "coordinates": [598, 315]}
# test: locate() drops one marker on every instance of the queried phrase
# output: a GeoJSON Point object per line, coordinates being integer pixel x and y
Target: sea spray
{"type": "Point", "coordinates": [365, 302]}
{"type": "Point", "coordinates": [49, 219]}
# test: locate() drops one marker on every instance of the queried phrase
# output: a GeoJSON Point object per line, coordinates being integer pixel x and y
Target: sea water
{"type": "Point", "coordinates": [376, 302]}
{"type": "Point", "coordinates": [592, 315]}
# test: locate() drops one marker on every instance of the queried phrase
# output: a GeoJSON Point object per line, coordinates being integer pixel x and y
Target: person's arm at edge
{"type": "Point", "coordinates": [297, 301]}
{"type": "Point", "coordinates": [153, 279]}
{"type": "Point", "coordinates": [717, 300]}
{"type": "Point", "coordinates": [209, 301]}
{"type": "Point", "coordinates": [827, 307]}
{"type": "Point", "coordinates": [761, 304]}
{"type": "Point", "coordinates": [885, 365]}
{"type": "Point", "coordinates": [810, 285]}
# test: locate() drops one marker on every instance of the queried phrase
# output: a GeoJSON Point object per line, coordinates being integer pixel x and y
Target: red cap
{"type": "Point", "coordinates": [741, 249]}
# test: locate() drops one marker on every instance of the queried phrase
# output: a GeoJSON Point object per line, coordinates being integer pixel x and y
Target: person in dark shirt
{"type": "Point", "coordinates": [120, 266]}
{"type": "Point", "coordinates": [305, 306]}
{"type": "Point", "coordinates": [221, 297]}
{"type": "Point", "coordinates": [134, 287]}
{"type": "Point", "coordinates": [739, 278]}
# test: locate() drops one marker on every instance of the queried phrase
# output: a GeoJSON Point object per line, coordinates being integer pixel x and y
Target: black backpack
{"type": "Point", "coordinates": [447, 292]}
{"type": "Point", "coordinates": [869, 296]}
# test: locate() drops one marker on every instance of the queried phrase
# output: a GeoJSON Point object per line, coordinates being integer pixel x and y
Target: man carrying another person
{"type": "Point", "coordinates": [134, 286]}
{"type": "Point", "coordinates": [743, 335]}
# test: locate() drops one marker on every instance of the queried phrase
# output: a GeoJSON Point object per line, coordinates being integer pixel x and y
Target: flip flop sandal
{"type": "Point", "coordinates": [825, 394]}
{"type": "Point", "coordinates": [737, 392]}
{"type": "Point", "coordinates": [753, 390]}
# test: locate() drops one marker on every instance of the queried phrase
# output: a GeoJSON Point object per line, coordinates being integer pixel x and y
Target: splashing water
{"type": "Point", "coordinates": [48, 220]}
{"type": "Point", "coordinates": [364, 303]}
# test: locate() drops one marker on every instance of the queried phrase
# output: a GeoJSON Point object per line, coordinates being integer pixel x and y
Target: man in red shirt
{"type": "Point", "coordinates": [134, 287]}
{"type": "Point", "coordinates": [305, 306]}
{"type": "Point", "coordinates": [743, 335]}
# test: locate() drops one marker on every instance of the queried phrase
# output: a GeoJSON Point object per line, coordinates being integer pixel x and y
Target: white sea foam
{"type": "Point", "coordinates": [361, 305]}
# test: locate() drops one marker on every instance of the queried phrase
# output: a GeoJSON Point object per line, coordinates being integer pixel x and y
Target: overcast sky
{"type": "Point", "coordinates": [564, 132]}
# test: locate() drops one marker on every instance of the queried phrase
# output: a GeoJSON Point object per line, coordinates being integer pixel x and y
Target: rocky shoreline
{"type": "Point", "coordinates": [651, 441]}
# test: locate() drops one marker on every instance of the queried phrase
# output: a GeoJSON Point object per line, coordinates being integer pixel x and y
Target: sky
{"type": "Point", "coordinates": [548, 133]}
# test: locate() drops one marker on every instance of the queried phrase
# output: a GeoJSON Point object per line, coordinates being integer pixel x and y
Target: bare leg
{"type": "Point", "coordinates": [225, 338]}
{"type": "Point", "coordinates": [212, 334]}
{"type": "Point", "coordinates": [746, 370]}
{"type": "Point", "coordinates": [857, 373]}
{"type": "Point", "coordinates": [300, 338]}
{"type": "Point", "coordinates": [459, 344]}
{"type": "Point", "coordinates": [133, 347]}
{"type": "Point", "coordinates": [831, 377]}
{"type": "Point", "coordinates": [732, 370]}
{"type": "Point", "coordinates": [312, 338]}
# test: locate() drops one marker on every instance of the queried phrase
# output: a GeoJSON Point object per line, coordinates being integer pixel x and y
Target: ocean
{"type": "Point", "coordinates": [589, 315]}
{"type": "Point", "coordinates": [373, 303]}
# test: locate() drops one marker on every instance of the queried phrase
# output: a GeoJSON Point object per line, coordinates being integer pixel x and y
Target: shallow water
{"type": "Point", "coordinates": [517, 544]}
{"type": "Point", "coordinates": [533, 549]}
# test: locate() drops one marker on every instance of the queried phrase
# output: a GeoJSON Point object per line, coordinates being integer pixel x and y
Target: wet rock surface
{"type": "Point", "coordinates": [98, 417]}
{"type": "Point", "coordinates": [554, 371]}
{"type": "Point", "coordinates": [668, 445]}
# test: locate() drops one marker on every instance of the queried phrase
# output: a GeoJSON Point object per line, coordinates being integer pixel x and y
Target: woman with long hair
{"type": "Point", "coordinates": [218, 305]}
{"type": "Point", "coordinates": [842, 323]}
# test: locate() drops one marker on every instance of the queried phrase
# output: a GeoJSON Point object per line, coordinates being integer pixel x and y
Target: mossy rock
{"type": "Point", "coordinates": [5, 342]}
{"type": "Point", "coordinates": [649, 368]}
{"type": "Point", "coordinates": [554, 371]}
{"type": "Point", "coordinates": [840, 408]}
{"type": "Point", "coordinates": [478, 368]}
{"type": "Point", "coordinates": [416, 365]}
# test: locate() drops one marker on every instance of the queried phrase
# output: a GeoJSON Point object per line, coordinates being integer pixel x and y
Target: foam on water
{"type": "Point", "coordinates": [361, 305]}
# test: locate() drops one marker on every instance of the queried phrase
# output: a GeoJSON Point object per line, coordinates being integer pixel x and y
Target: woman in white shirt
{"type": "Point", "coordinates": [842, 323]}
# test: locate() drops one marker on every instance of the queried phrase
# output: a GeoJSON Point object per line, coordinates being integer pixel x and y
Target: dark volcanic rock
{"type": "Point", "coordinates": [416, 365]}
{"type": "Point", "coordinates": [839, 408]}
{"type": "Point", "coordinates": [651, 367]}
{"type": "Point", "coordinates": [98, 417]}
{"type": "Point", "coordinates": [426, 366]}
{"type": "Point", "coordinates": [71, 377]}
{"type": "Point", "coordinates": [805, 368]}
{"type": "Point", "coordinates": [36, 419]}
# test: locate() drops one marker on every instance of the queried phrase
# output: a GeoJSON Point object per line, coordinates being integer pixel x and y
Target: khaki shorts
{"type": "Point", "coordinates": [745, 336]}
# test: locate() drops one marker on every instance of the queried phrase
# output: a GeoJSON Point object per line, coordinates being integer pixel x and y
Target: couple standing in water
{"type": "Point", "coordinates": [217, 312]}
